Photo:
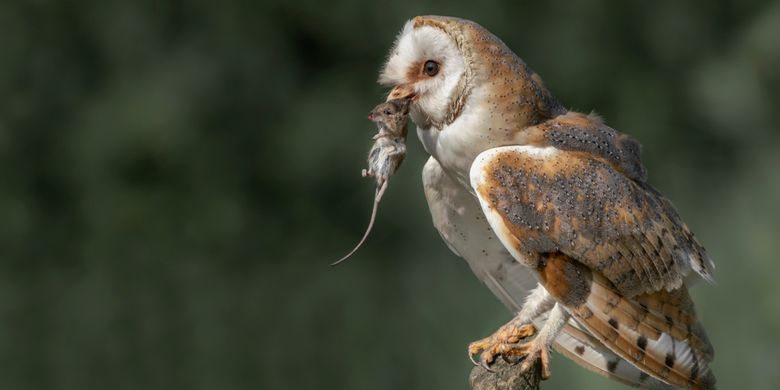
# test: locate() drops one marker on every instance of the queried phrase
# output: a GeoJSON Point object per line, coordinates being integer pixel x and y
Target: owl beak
{"type": "Point", "coordinates": [401, 92]}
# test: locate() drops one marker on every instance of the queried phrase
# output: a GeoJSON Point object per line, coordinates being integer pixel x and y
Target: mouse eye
{"type": "Point", "coordinates": [387, 112]}
{"type": "Point", "coordinates": [431, 68]}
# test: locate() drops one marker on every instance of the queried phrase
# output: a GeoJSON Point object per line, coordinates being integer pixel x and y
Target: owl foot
{"type": "Point", "coordinates": [504, 343]}
{"type": "Point", "coordinates": [530, 353]}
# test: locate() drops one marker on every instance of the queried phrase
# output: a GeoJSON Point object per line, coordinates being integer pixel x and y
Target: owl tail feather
{"type": "Point", "coordinates": [658, 332]}
{"type": "Point", "coordinates": [582, 348]}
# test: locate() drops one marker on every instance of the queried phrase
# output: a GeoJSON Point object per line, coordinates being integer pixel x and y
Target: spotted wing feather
{"type": "Point", "coordinates": [570, 202]}
{"type": "Point", "coordinates": [577, 132]}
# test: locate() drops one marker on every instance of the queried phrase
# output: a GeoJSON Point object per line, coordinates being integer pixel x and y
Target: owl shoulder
{"type": "Point", "coordinates": [578, 132]}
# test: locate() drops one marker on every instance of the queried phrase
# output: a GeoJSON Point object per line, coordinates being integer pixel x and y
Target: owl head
{"type": "Point", "coordinates": [442, 63]}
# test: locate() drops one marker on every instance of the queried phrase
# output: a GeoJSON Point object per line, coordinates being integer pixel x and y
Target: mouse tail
{"type": "Point", "coordinates": [377, 197]}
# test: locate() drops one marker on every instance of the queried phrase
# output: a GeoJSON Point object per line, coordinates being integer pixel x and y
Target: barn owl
{"type": "Point", "coordinates": [552, 211]}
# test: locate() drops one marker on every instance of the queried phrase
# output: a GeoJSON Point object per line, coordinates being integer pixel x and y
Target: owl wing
{"type": "Point", "coordinates": [569, 202]}
{"type": "Point", "coordinates": [610, 249]}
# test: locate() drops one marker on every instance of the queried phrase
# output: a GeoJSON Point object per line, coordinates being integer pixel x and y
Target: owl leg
{"type": "Point", "coordinates": [539, 347]}
{"type": "Point", "coordinates": [508, 336]}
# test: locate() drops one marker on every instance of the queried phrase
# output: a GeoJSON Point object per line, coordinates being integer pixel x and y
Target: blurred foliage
{"type": "Point", "coordinates": [177, 175]}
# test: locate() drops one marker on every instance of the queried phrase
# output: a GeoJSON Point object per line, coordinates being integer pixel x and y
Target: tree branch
{"type": "Point", "coordinates": [505, 377]}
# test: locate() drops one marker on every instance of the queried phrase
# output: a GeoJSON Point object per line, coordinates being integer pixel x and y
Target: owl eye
{"type": "Point", "coordinates": [431, 68]}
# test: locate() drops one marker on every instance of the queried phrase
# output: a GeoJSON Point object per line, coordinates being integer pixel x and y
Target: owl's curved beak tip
{"type": "Point", "coordinates": [402, 92]}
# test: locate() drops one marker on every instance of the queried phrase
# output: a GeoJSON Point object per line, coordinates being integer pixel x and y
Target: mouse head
{"type": "Point", "coordinates": [389, 109]}
{"type": "Point", "coordinates": [391, 116]}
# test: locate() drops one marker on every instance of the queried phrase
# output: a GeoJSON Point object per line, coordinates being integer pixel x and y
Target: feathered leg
{"type": "Point", "coordinates": [539, 347]}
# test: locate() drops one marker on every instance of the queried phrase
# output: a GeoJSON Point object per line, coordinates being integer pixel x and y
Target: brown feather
{"type": "Point", "coordinates": [583, 207]}
{"type": "Point", "coordinates": [669, 344]}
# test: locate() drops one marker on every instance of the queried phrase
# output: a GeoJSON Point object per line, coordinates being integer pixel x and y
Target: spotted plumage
{"type": "Point", "coordinates": [552, 210]}
{"type": "Point", "coordinates": [580, 205]}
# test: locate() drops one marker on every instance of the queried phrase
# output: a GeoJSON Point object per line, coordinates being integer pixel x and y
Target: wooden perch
{"type": "Point", "coordinates": [505, 377]}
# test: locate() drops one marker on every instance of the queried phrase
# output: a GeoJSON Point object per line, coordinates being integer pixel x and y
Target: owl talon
{"type": "Point", "coordinates": [502, 343]}
{"type": "Point", "coordinates": [531, 353]}
{"type": "Point", "coordinates": [486, 366]}
{"type": "Point", "coordinates": [473, 361]}
{"type": "Point", "coordinates": [481, 363]}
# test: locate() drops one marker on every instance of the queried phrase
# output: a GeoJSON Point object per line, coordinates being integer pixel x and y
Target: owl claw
{"type": "Point", "coordinates": [486, 366]}
{"type": "Point", "coordinates": [482, 363]}
{"type": "Point", "coordinates": [471, 357]}
{"type": "Point", "coordinates": [502, 343]}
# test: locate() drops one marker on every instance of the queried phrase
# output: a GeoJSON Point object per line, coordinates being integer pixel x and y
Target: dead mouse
{"type": "Point", "coordinates": [386, 154]}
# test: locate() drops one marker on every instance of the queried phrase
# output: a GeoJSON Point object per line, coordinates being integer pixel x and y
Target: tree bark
{"type": "Point", "coordinates": [505, 377]}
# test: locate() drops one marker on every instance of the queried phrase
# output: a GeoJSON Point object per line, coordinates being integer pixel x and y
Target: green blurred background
{"type": "Point", "coordinates": [176, 177]}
